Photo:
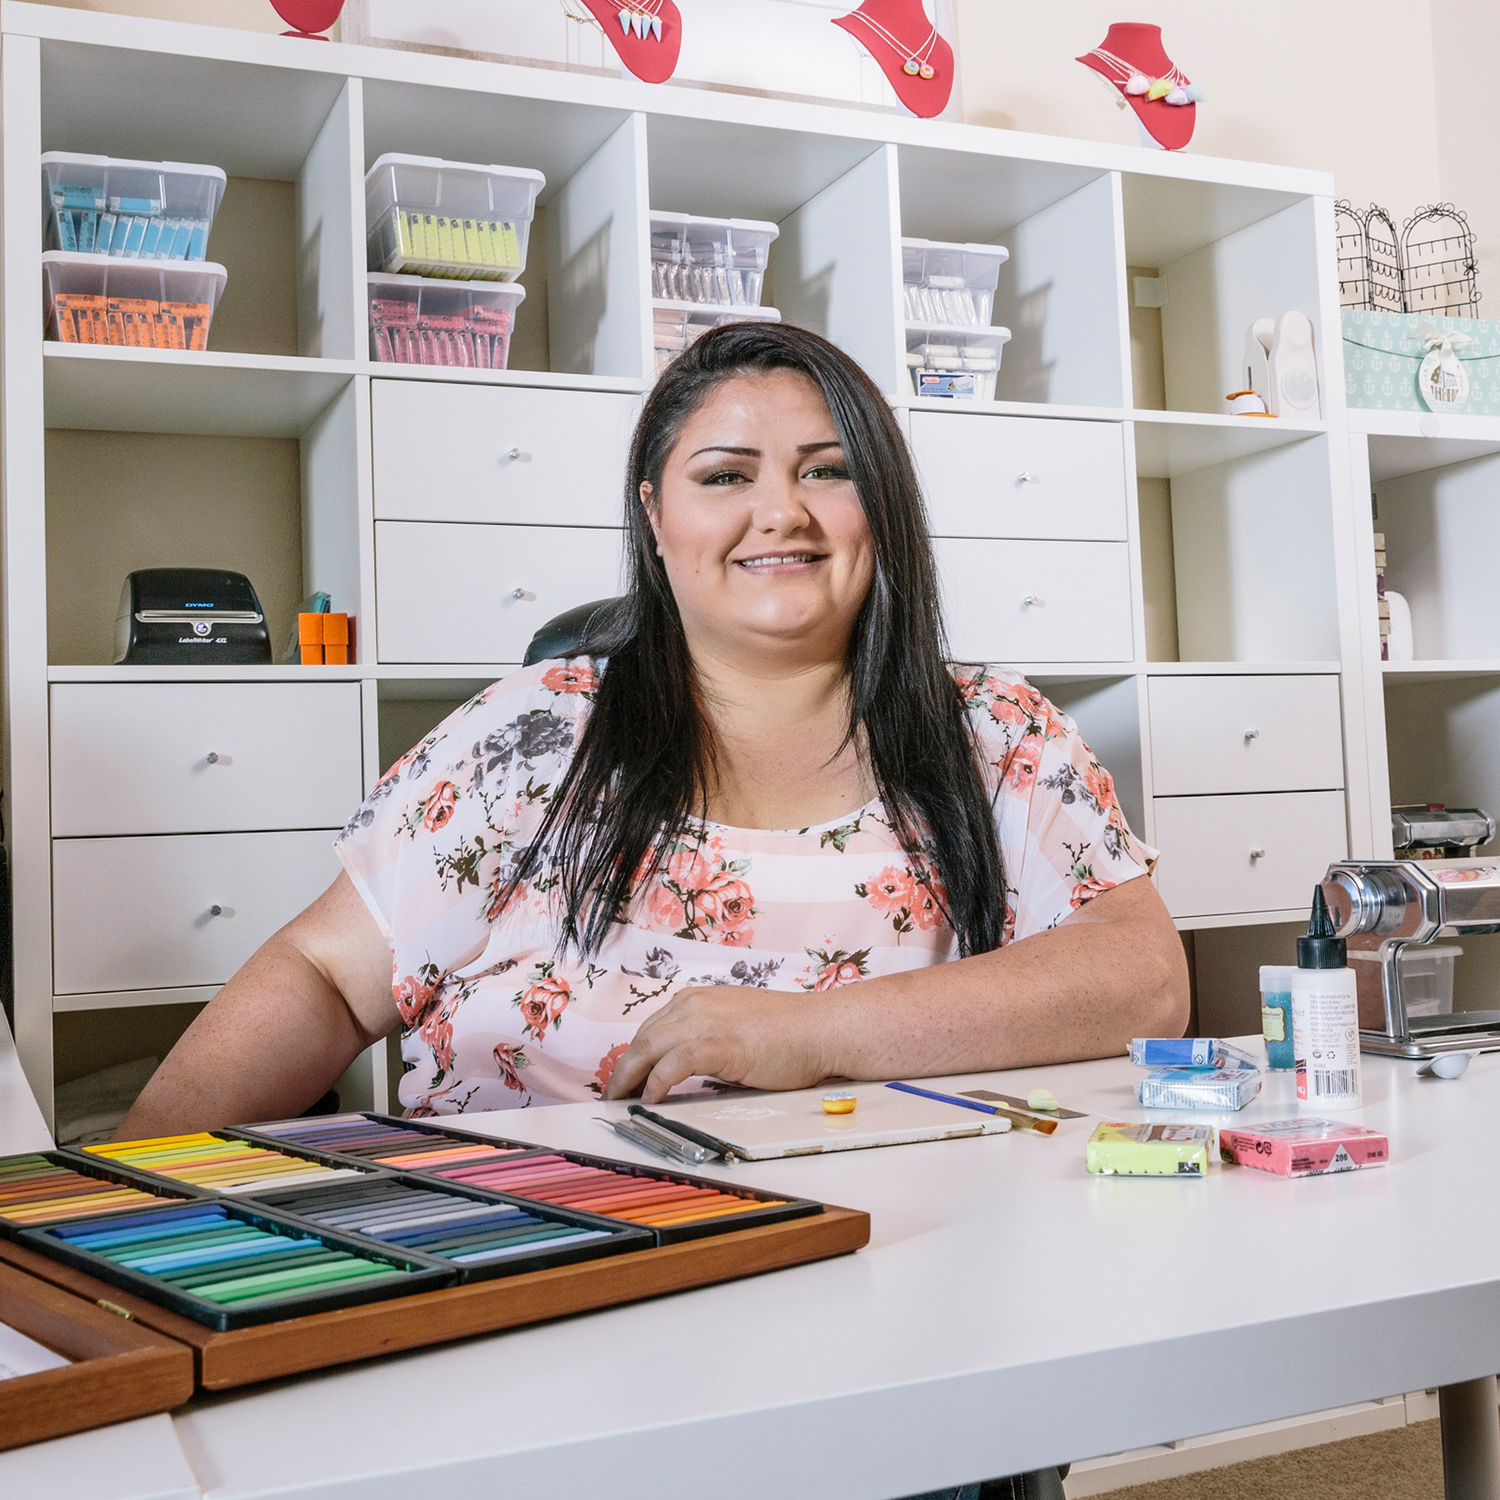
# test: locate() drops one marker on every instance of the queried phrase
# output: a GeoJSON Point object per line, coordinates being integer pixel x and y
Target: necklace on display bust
{"type": "Point", "coordinates": [911, 52]}
{"type": "Point", "coordinates": [1132, 59]}
{"type": "Point", "coordinates": [647, 34]}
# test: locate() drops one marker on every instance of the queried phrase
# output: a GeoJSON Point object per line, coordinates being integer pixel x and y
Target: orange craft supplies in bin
{"type": "Point", "coordinates": [458, 324]}
{"type": "Point", "coordinates": [325, 639]}
{"type": "Point", "coordinates": [130, 304]}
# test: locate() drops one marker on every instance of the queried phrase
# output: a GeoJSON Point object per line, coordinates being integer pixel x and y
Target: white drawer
{"type": "Point", "coordinates": [1008, 601]}
{"type": "Point", "coordinates": [479, 593]}
{"type": "Point", "coordinates": [1021, 476]}
{"type": "Point", "coordinates": [135, 757]}
{"type": "Point", "coordinates": [136, 914]}
{"type": "Point", "coordinates": [482, 453]}
{"type": "Point", "coordinates": [1245, 734]}
{"type": "Point", "coordinates": [1209, 865]}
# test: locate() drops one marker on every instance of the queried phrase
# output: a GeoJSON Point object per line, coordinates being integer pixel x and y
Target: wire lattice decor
{"type": "Point", "coordinates": [1428, 267]}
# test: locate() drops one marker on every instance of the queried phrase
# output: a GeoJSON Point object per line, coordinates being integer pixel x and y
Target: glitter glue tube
{"type": "Point", "coordinates": [1276, 1015]}
{"type": "Point", "coordinates": [1325, 1016]}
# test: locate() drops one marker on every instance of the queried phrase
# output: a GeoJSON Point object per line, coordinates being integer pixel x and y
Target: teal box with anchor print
{"type": "Point", "coordinates": [1413, 362]}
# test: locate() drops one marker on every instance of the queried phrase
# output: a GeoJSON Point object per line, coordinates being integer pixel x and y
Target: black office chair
{"type": "Point", "coordinates": [585, 630]}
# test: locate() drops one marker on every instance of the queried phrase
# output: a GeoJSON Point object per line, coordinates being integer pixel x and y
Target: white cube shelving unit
{"type": "Point", "coordinates": [1169, 574]}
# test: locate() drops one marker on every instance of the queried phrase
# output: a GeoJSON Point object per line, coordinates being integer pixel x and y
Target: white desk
{"type": "Point", "coordinates": [1010, 1312]}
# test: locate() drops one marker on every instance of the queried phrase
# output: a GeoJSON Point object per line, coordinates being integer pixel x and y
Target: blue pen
{"type": "Point", "coordinates": [907, 1088]}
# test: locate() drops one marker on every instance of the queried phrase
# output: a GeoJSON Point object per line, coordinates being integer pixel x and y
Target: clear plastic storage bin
{"type": "Point", "coordinates": [131, 304]}
{"type": "Point", "coordinates": [678, 324]}
{"type": "Point", "coordinates": [461, 325]}
{"type": "Point", "coordinates": [957, 364]}
{"type": "Point", "coordinates": [1427, 978]}
{"type": "Point", "coordinates": [449, 219]}
{"type": "Point", "coordinates": [131, 210]}
{"type": "Point", "coordinates": [716, 261]}
{"type": "Point", "coordinates": [951, 285]}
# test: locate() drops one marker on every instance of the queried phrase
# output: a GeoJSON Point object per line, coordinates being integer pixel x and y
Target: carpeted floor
{"type": "Point", "coordinates": [1402, 1464]}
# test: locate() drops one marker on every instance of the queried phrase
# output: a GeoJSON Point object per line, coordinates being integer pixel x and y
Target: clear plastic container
{"type": "Point", "coordinates": [130, 210]}
{"type": "Point", "coordinates": [92, 299]}
{"type": "Point", "coordinates": [678, 324]}
{"type": "Point", "coordinates": [955, 364]}
{"type": "Point", "coordinates": [1427, 978]}
{"type": "Point", "coordinates": [457, 220]}
{"type": "Point", "coordinates": [951, 285]}
{"type": "Point", "coordinates": [461, 324]}
{"type": "Point", "coordinates": [721, 262]}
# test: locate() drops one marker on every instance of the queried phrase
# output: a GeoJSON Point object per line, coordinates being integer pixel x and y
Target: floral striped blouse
{"type": "Point", "coordinates": [494, 1018]}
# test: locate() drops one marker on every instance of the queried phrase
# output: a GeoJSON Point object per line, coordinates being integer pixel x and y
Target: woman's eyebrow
{"type": "Point", "coordinates": [756, 453]}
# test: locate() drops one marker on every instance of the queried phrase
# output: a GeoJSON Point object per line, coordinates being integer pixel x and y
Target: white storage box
{"type": "Point", "coordinates": [92, 299]}
{"type": "Point", "coordinates": [451, 219]}
{"type": "Point", "coordinates": [459, 324]}
{"type": "Point", "coordinates": [135, 210]}
{"type": "Point", "coordinates": [957, 364]}
{"type": "Point", "coordinates": [718, 261]}
{"type": "Point", "coordinates": [951, 285]}
{"type": "Point", "coordinates": [678, 324]}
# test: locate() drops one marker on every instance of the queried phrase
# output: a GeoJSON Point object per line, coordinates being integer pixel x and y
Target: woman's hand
{"type": "Point", "coordinates": [761, 1039]}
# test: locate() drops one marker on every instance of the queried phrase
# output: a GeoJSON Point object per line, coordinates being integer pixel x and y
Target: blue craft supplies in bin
{"type": "Point", "coordinates": [129, 210]}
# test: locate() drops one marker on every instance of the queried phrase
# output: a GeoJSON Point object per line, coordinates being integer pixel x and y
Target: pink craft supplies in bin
{"type": "Point", "coordinates": [463, 325]}
{"type": "Point", "coordinates": [1304, 1148]}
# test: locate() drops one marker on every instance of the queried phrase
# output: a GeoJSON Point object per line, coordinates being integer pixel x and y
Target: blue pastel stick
{"type": "Point", "coordinates": [212, 1254]}
{"type": "Point", "coordinates": [157, 1217]}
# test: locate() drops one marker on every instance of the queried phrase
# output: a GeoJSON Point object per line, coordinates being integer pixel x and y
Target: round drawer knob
{"type": "Point", "coordinates": [212, 757]}
{"type": "Point", "coordinates": [216, 910]}
{"type": "Point", "coordinates": [1026, 477]}
{"type": "Point", "coordinates": [516, 456]}
{"type": "Point", "coordinates": [1029, 599]}
{"type": "Point", "coordinates": [1251, 734]}
{"type": "Point", "coordinates": [1257, 854]}
{"type": "Point", "coordinates": [521, 594]}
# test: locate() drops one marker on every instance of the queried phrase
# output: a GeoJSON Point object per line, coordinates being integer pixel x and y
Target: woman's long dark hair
{"type": "Point", "coordinates": [646, 758]}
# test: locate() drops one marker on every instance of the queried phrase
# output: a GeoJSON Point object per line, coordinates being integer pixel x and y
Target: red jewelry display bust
{"type": "Point", "coordinates": [310, 17]}
{"type": "Point", "coordinates": [648, 39]}
{"type": "Point", "coordinates": [1132, 58]}
{"type": "Point", "coordinates": [915, 59]}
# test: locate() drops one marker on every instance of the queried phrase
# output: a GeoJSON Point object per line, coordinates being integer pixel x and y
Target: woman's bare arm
{"type": "Point", "coordinates": [1113, 970]}
{"type": "Point", "coordinates": [275, 1038]}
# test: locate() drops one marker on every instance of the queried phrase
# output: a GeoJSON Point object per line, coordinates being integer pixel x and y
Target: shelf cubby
{"type": "Point", "coordinates": [1238, 556]}
{"type": "Point", "coordinates": [1226, 254]}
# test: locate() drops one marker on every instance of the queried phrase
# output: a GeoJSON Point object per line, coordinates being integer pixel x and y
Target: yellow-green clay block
{"type": "Point", "coordinates": [1119, 1149]}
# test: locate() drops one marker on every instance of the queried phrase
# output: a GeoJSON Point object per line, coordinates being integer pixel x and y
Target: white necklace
{"type": "Point", "coordinates": [643, 18]}
{"type": "Point", "coordinates": [916, 57]}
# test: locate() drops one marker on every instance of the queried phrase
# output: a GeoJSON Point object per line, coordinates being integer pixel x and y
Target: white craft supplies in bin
{"type": "Point", "coordinates": [132, 210]}
{"type": "Point", "coordinates": [678, 324]}
{"type": "Point", "coordinates": [950, 284]}
{"type": "Point", "coordinates": [462, 325]}
{"type": "Point", "coordinates": [956, 364]}
{"type": "Point", "coordinates": [716, 261]}
{"type": "Point", "coordinates": [457, 220]}
{"type": "Point", "coordinates": [92, 299]}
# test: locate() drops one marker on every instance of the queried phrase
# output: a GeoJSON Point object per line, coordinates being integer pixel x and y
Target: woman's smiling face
{"type": "Point", "coordinates": [763, 537]}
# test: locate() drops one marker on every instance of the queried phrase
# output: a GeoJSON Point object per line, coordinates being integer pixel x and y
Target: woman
{"type": "Point", "coordinates": [771, 838]}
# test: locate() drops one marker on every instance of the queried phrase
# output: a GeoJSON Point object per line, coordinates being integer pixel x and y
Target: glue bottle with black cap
{"type": "Point", "coordinates": [1325, 1016]}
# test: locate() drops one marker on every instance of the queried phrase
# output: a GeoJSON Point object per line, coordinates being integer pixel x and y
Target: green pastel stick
{"type": "Point", "coordinates": [295, 1293]}
{"type": "Point", "coordinates": [189, 1277]}
{"type": "Point", "coordinates": [145, 1249]}
{"type": "Point", "coordinates": [231, 1276]}
{"type": "Point", "coordinates": [253, 1288]}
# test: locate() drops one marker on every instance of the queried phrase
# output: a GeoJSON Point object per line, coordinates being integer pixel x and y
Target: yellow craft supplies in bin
{"type": "Point", "coordinates": [129, 210]}
{"type": "Point", "coordinates": [457, 220]}
{"type": "Point", "coordinates": [462, 325]}
{"type": "Point", "coordinates": [92, 299]}
{"type": "Point", "coordinates": [1118, 1149]}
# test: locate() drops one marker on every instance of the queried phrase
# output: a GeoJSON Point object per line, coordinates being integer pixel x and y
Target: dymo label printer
{"type": "Point", "coordinates": [190, 617]}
